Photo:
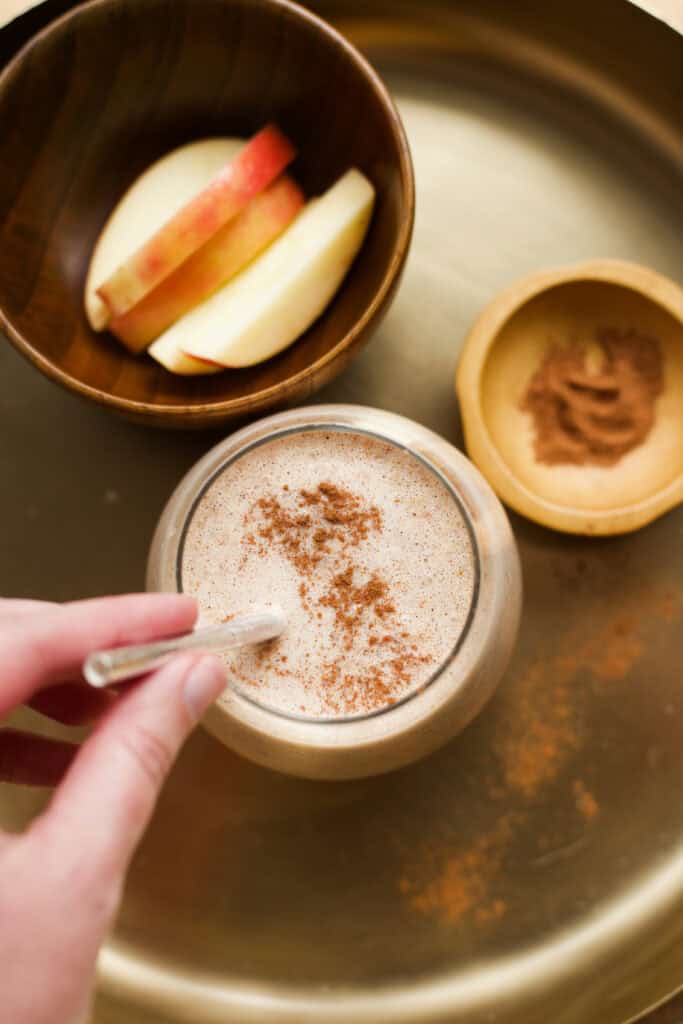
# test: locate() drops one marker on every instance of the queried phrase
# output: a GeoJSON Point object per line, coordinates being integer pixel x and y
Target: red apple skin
{"type": "Point", "coordinates": [219, 259]}
{"type": "Point", "coordinates": [259, 163]}
{"type": "Point", "coordinates": [209, 362]}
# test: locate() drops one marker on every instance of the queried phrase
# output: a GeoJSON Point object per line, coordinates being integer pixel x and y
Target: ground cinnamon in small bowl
{"type": "Point", "coordinates": [584, 417]}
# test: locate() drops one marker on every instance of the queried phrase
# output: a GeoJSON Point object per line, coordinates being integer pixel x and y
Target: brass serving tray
{"type": "Point", "coordinates": [532, 871]}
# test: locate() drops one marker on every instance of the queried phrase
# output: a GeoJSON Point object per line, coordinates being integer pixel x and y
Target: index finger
{"type": "Point", "coordinates": [49, 647]}
{"type": "Point", "coordinates": [22, 606]}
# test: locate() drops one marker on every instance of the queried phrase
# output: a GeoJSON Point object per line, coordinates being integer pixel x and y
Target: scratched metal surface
{"type": "Point", "coordinates": [533, 869]}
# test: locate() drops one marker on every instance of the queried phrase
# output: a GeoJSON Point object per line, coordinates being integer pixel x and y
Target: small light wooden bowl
{"type": "Point", "coordinates": [506, 346]}
{"type": "Point", "coordinates": [104, 91]}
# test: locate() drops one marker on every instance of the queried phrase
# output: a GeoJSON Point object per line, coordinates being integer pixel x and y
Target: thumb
{"type": "Point", "coordinates": [100, 811]}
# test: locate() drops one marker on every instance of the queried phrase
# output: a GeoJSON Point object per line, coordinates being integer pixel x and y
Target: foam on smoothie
{"type": "Point", "coordinates": [364, 548]}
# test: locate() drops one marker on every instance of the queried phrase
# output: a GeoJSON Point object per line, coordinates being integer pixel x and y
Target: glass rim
{"type": "Point", "coordinates": [325, 427]}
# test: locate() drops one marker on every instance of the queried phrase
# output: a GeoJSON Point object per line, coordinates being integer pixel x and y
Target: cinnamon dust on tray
{"type": "Point", "coordinates": [590, 417]}
{"type": "Point", "coordinates": [461, 885]}
{"type": "Point", "coordinates": [586, 804]}
{"type": "Point", "coordinates": [545, 701]}
{"type": "Point", "coordinates": [537, 733]}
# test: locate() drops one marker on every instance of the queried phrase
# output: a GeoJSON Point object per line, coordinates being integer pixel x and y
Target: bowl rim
{"type": "Point", "coordinates": [567, 518]}
{"type": "Point", "coordinates": [257, 400]}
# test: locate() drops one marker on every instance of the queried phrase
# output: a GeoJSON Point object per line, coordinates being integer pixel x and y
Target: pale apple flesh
{"type": "Point", "coordinates": [219, 259]}
{"type": "Point", "coordinates": [282, 292]}
{"type": "Point", "coordinates": [161, 191]}
{"type": "Point", "coordinates": [254, 167]}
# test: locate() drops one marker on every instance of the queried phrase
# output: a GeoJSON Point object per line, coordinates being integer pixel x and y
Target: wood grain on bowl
{"type": "Point", "coordinates": [100, 94]}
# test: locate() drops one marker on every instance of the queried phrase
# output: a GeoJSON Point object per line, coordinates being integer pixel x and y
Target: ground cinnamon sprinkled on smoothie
{"type": "Point", "coordinates": [350, 603]}
{"type": "Point", "coordinates": [325, 527]}
{"type": "Point", "coordinates": [342, 508]}
{"type": "Point", "coordinates": [302, 536]}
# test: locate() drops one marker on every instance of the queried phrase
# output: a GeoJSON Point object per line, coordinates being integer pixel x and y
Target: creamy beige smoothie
{"type": "Point", "coordinates": [364, 547]}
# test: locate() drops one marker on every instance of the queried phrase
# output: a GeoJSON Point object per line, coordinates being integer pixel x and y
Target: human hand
{"type": "Point", "coordinates": [61, 880]}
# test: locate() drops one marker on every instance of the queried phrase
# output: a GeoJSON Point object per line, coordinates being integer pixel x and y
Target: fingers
{"type": "Point", "coordinates": [109, 794]}
{"type": "Point", "coordinates": [33, 760]}
{"type": "Point", "coordinates": [72, 703]}
{"type": "Point", "coordinates": [49, 647]}
{"type": "Point", "coordinates": [21, 606]}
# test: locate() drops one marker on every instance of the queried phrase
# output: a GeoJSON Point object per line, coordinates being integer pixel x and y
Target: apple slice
{"type": "Point", "coordinates": [278, 296]}
{"type": "Point", "coordinates": [219, 259]}
{"type": "Point", "coordinates": [163, 189]}
{"type": "Point", "coordinates": [178, 362]}
{"type": "Point", "coordinates": [263, 158]}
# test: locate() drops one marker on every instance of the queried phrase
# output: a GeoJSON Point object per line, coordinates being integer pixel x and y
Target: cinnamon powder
{"type": "Point", "coordinates": [318, 531]}
{"type": "Point", "coordinates": [543, 725]}
{"type": "Point", "coordinates": [586, 804]}
{"type": "Point", "coordinates": [594, 418]}
{"type": "Point", "coordinates": [462, 884]}
{"type": "Point", "coordinates": [538, 731]}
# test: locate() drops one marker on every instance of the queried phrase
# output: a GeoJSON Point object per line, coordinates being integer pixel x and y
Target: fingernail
{"type": "Point", "coordinates": [203, 686]}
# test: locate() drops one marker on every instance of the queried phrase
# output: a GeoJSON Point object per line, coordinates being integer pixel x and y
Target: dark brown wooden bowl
{"type": "Point", "coordinates": [104, 91]}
